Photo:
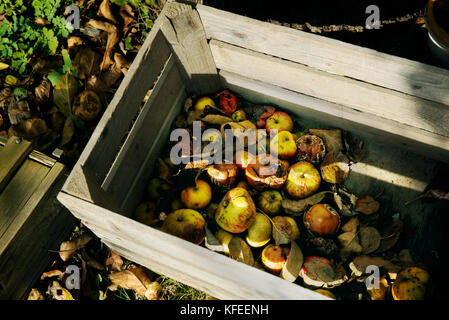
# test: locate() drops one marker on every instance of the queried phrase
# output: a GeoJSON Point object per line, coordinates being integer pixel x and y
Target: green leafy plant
{"type": "Point", "coordinates": [21, 36]}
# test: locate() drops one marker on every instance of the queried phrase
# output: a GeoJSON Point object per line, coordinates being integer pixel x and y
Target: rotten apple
{"type": "Point", "coordinates": [270, 202]}
{"type": "Point", "coordinates": [224, 174]}
{"type": "Point", "coordinates": [274, 258]}
{"type": "Point", "coordinates": [266, 173]}
{"type": "Point", "coordinates": [310, 148]}
{"type": "Point", "coordinates": [198, 196]}
{"type": "Point", "coordinates": [187, 224]}
{"type": "Point", "coordinates": [322, 220]}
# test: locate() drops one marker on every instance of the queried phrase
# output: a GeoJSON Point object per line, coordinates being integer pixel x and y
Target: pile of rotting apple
{"type": "Point", "coordinates": [298, 221]}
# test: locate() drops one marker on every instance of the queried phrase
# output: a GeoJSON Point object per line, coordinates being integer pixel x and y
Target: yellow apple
{"type": "Point", "coordinates": [236, 211]}
{"type": "Point", "coordinates": [303, 180]}
{"type": "Point", "coordinates": [187, 224]}
{"type": "Point", "coordinates": [197, 197]}
{"type": "Point", "coordinates": [280, 121]}
{"type": "Point", "coordinates": [284, 145]}
{"type": "Point", "coordinates": [259, 232]}
{"type": "Point", "coordinates": [270, 202]}
{"type": "Point", "coordinates": [203, 102]}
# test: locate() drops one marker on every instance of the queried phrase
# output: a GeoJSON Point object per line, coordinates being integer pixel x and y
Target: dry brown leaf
{"type": "Point", "coordinates": [216, 119]}
{"type": "Point", "coordinates": [369, 239]}
{"type": "Point", "coordinates": [351, 226]}
{"type": "Point", "coordinates": [114, 261]}
{"type": "Point", "coordinates": [121, 62]}
{"type": "Point", "coordinates": [52, 273]}
{"type": "Point", "coordinates": [318, 273]}
{"type": "Point", "coordinates": [127, 14]}
{"type": "Point", "coordinates": [74, 41]}
{"type": "Point", "coordinates": [298, 206]}
{"type": "Point", "coordinates": [292, 266]}
{"type": "Point", "coordinates": [68, 248]}
{"type": "Point", "coordinates": [111, 76]}
{"type": "Point", "coordinates": [113, 37]}
{"type": "Point", "coordinates": [390, 235]}
{"type": "Point", "coordinates": [360, 264]}
{"type": "Point", "coordinates": [331, 138]}
{"type": "Point", "coordinates": [240, 251]}
{"type": "Point", "coordinates": [350, 243]}
{"type": "Point", "coordinates": [105, 11]}
{"type": "Point", "coordinates": [42, 91]}
{"type": "Point", "coordinates": [68, 131]}
{"type": "Point", "coordinates": [35, 294]}
{"type": "Point", "coordinates": [134, 279]}
{"type": "Point", "coordinates": [18, 111]}
{"type": "Point", "coordinates": [86, 63]}
{"type": "Point", "coordinates": [367, 205]}
{"type": "Point", "coordinates": [56, 292]}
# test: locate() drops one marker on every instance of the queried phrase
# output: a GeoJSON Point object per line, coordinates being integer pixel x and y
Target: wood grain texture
{"type": "Point", "coordinates": [193, 265]}
{"type": "Point", "coordinates": [377, 101]}
{"type": "Point", "coordinates": [11, 157]}
{"type": "Point", "coordinates": [26, 255]}
{"type": "Point", "coordinates": [184, 31]}
{"type": "Point", "coordinates": [327, 54]}
{"type": "Point", "coordinates": [339, 116]}
{"type": "Point", "coordinates": [144, 133]}
{"type": "Point", "coordinates": [113, 127]}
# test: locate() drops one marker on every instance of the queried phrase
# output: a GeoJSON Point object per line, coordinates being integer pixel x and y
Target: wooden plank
{"type": "Point", "coordinates": [327, 54]}
{"type": "Point", "coordinates": [184, 31]}
{"type": "Point", "coordinates": [11, 157]}
{"type": "Point", "coordinates": [318, 112]}
{"type": "Point", "coordinates": [111, 130]}
{"type": "Point", "coordinates": [34, 155]}
{"type": "Point", "coordinates": [145, 132]}
{"type": "Point", "coordinates": [193, 265]}
{"type": "Point", "coordinates": [388, 104]}
{"type": "Point", "coordinates": [22, 187]}
{"type": "Point", "coordinates": [26, 255]}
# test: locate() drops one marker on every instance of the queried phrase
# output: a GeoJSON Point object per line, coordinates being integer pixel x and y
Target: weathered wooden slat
{"type": "Point", "coordinates": [41, 225]}
{"type": "Point", "coordinates": [327, 54]}
{"type": "Point", "coordinates": [377, 101]}
{"type": "Point", "coordinates": [16, 195]}
{"type": "Point", "coordinates": [339, 116]}
{"type": "Point", "coordinates": [184, 31]}
{"type": "Point", "coordinates": [184, 261]}
{"type": "Point", "coordinates": [111, 130]}
{"type": "Point", "coordinates": [11, 157]}
{"type": "Point", "coordinates": [143, 136]}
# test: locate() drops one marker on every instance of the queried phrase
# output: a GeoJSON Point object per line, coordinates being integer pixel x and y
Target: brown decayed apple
{"type": "Point", "coordinates": [274, 258]}
{"type": "Point", "coordinates": [197, 197]}
{"type": "Point", "coordinates": [187, 224]}
{"type": "Point", "coordinates": [303, 180]}
{"type": "Point", "coordinates": [236, 211]}
{"type": "Point", "coordinates": [310, 148]}
{"type": "Point", "coordinates": [287, 226]}
{"type": "Point", "coordinates": [223, 174]}
{"type": "Point", "coordinates": [284, 145]}
{"type": "Point", "coordinates": [266, 173]}
{"type": "Point", "coordinates": [280, 121]}
{"type": "Point", "coordinates": [322, 220]}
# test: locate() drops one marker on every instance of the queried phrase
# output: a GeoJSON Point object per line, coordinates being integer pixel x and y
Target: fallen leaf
{"type": "Point", "coordinates": [90, 261]}
{"type": "Point", "coordinates": [56, 292]}
{"type": "Point", "coordinates": [18, 112]}
{"type": "Point", "coordinates": [86, 63]}
{"type": "Point", "coordinates": [42, 22]}
{"type": "Point", "coordinates": [345, 202]}
{"type": "Point", "coordinates": [121, 62]}
{"type": "Point", "coordinates": [361, 263]}
{"type": "Point", "coordinates": [282, 230]}
{"type": "Point", "coordinates": [65, 90]}
{"type": "Point", "coordinates": [68, 131]}
{"type": "Point", "coordinates": [127, 14]}
{"type": "Point", "coordinates": [292, 266]}
{"type": "Point", "coordinates": [351, 226]}
{"type": "Point", "coordinates": [111, 76]}
{"type": "Point", "coordinates": [133, 279]}
{"type": "Point", "coordinates": [349, 243]}
{"type": "Point", "coordinates": [194, 115]}
{"type": "Point", "coordinates": [113, 37]}
{"type": "Point", "coordinates": [105, 11]}
{"type": "Point", "coordinates": [216, 119]}
{"type": "Point", "coordinates": [68, 248]}
{"type": "Point", "coordinates": [212, 242]}
{"type": "Point", "coordinates": [331, 138]}
{"type": "Point", "coordinates": [390, 235]}
{"type": "Point", "coordinates": [52, 273]}
{"type": "Point", "coordinates": [354, 147]}
{"type": "Point", "coordinates": [35, 294]}
{"type": "Point", "coordinates": [367, 205]}
{"type": "Point", "coordinates": [43, 90]}
{"type": "Point", "coordinates": [369, 239]}
{"type": "Point", "coordinates": [318, 273]}
{"type": "Point", "coordinates": [74, 41]}
{"type": "Point", "coordinates": [298, 206]}
{"type": "Point", "coordinates": [240, 251]}
{"type": "Point", "coordinates": [114, 261]}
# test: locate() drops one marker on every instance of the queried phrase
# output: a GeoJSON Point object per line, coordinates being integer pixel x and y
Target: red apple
{"type": "Point", "coordinates": [280, 121]}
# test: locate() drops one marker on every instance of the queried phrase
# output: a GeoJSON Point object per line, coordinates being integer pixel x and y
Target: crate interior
{"type": "Point", "coordinates": [392, 171]}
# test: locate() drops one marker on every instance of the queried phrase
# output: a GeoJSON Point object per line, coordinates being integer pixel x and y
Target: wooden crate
{"type": "Point", "coordinates": [399, 106]}
{"type": "Point", "coordinates": [32, 221]}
